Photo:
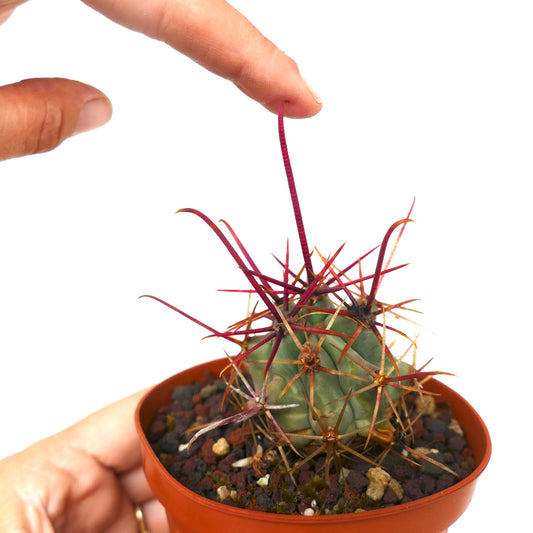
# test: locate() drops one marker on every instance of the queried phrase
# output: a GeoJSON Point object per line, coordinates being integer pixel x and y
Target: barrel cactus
{"type": "Point", "coordinates": [314, 368]}
{"type": "Point", "coordinates": [330, 375]}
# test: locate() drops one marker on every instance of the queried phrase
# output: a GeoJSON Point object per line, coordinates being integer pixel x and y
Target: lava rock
{"type": "Point", "coordinates": [457, 443]}
{"type": "Point", "coordinates": [434, 425]}
{"type": "Point", "coordinates": [413, 489]}
{"type": "Point", "coordinates": [170, 442]}
{"type": "Point", "coordinates": [357, 481]}
{"type": "Point", "coordinates": [183, 394]}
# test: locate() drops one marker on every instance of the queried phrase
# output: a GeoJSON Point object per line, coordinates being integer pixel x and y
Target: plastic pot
{"type": "Point", "coordinates": [188, 512]}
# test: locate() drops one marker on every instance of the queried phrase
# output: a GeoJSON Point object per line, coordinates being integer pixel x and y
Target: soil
{"type": "Point", "coordinates": [211, 465]}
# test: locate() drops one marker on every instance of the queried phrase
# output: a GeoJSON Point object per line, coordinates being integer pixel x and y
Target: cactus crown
{"type": "Point", "coordinates": [314, 370]}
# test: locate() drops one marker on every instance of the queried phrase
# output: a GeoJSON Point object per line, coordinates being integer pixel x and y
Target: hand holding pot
{"type": "Point", "coordinates": [38, 114]}
{"type": "Point", "coordinates": [86, 478]}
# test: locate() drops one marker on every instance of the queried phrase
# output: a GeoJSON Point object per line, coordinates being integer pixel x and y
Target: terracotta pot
{"type": "Point", "coordinates": [190, 513]}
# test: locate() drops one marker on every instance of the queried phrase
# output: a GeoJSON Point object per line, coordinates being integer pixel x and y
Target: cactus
{"type": "Point", "coordinates": [321, 368]}
{"type": "Point", "coordinates": [327, 374]}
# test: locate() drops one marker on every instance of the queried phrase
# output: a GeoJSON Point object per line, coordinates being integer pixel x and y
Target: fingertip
{"type": "Point", "coordinates": [306, 105]}
{"type": "Point", "coordinates": [281, 84]}
{"type": "Point", "coordinates": [317, 98]}
{"type": "Point", "coordinates": [94, 113]}
{"type": "Point", "coordinates": [39, 114]}
{"type": "Point", "coordinates": [298, 109]}
{"type": "Point", "coordinates": [299, 98]}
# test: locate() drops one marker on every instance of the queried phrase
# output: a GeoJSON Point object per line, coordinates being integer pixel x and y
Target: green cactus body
{"type": "Point", "coordinates": [321, 410]}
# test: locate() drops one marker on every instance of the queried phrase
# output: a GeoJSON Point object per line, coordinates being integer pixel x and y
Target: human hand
{"type": "Point", "coordinates": [38, 114]}
{"type": "Point", "coordinates": [86, 478]}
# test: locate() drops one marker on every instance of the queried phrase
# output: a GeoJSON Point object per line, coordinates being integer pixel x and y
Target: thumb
{"type": "Point", "coordinates": [37, 115]}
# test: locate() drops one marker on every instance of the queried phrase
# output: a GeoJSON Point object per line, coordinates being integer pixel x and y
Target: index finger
{"type": "Point", "coordinates": [218, 37]}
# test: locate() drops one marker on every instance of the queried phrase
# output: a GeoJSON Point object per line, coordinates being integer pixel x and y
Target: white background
{"type": "Point", "coordinates": [421, 99]}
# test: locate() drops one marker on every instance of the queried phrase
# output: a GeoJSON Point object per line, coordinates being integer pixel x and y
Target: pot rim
{"type": "Point", "coordinates": [483, 435]}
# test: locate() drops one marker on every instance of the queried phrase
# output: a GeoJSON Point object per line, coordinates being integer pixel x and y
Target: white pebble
{"type": "Point", "coordinates": [426, 451]}
{"type": "Point", "coordinates": [425, 405]}
{"type": "Point", "coordinates": [222, 492]}
{"type": "Point", "coordinates": [379, 479]}
{"type": "Point", "coordinates": [242, 462]}
{"type": "Point", "coordinates": [221, 447]}
{"type": "Point", "coordinates": [309, 512]}
{"type": "Point", "coordinates": [455, 426]}
{"type": "Point", "coordinates": [263, 481]}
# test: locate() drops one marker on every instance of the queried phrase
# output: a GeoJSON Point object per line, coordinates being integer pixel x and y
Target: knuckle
{"type": "Point", "coordinates": [50, 133]}
{"type": "Point", "coordinates": [163, 22]}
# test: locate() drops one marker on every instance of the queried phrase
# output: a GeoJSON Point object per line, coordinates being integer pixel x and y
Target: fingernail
{"type": "Point", "coordinates": [93, 114]}
{"type": "Point", "coordinates": [316, 96]}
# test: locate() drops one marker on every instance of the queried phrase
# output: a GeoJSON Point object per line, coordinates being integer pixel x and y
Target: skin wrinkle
{"type": "Point", "coordinates": [244, 69]}
{"type": "Point", "coordinates": [83, 491]}
{"type": "Point", "coordinates": [52, 504]}
{"type": "Point", "coordinates": [31, 500]}
{"type": "Point", "coordinates": [52, 128]}
{"type": "Point", "coordinates": [37, 520]}
{"type": "Point", "coordinates": [134, 484]}
{"type": "Point", "coordinates": [242, 62]}
{"type": "Point", "coordinates": [103, 478]}
{"type": "Point", "coordinates": [163, 24]}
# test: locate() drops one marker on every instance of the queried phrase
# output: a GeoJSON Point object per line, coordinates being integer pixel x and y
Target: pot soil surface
{"type": "Point", "coordinates": [235, 466]}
